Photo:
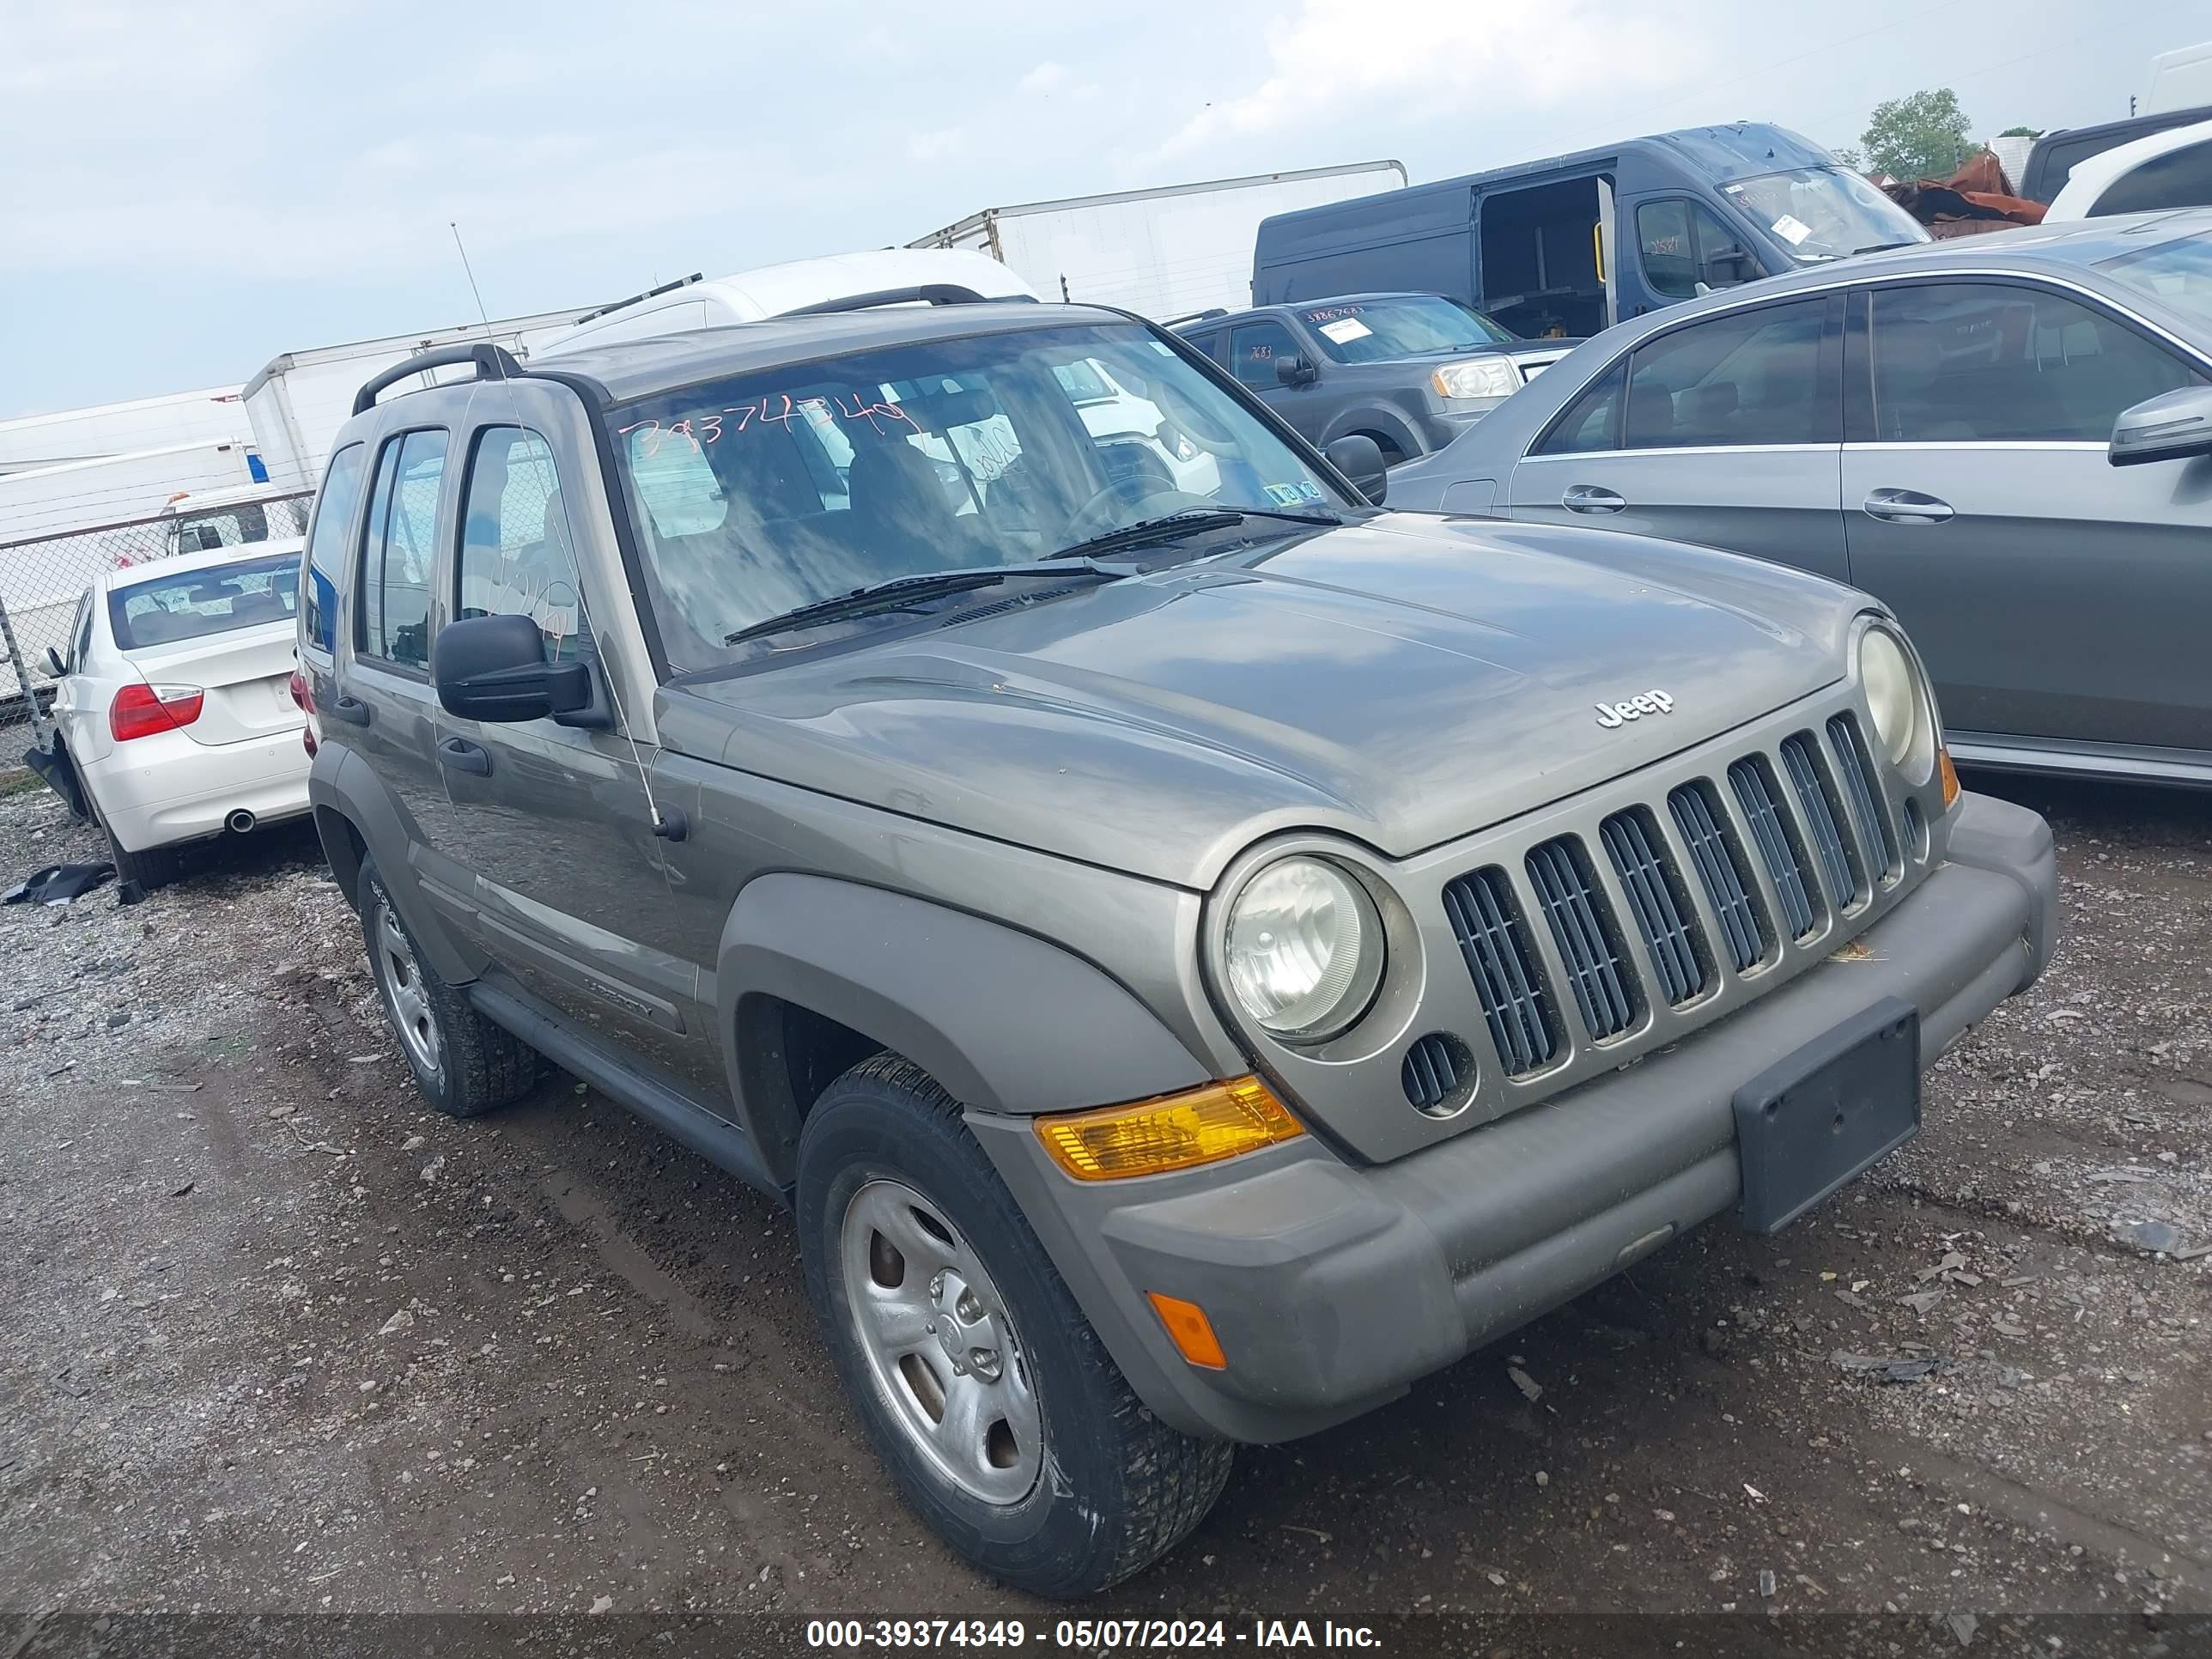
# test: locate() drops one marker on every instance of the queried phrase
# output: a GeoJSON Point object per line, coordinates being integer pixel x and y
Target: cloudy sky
{"type": "Point", "coordinates": [188, 187]}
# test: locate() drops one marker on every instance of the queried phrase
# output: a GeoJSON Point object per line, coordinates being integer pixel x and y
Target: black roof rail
{"type": "Point", "coordinates": [493, 363]}
{"type": "Point", "coordinates": [936, 293]}
{"type": "Point", "coordinates": [1206, 316]}
{"type": "Point", "coordinates": [665, 288]}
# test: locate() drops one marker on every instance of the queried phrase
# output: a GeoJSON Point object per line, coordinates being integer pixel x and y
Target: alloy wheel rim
{"type": "Point", "coordinates": [402, 978]}
{"type": "Point", "coordinates": [940, 1347]}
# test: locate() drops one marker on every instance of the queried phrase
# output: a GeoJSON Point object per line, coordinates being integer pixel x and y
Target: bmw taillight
{"type": "Point", "coordinates": [303, 695]}
{"type": "Point", "coordinates": [140, 711]}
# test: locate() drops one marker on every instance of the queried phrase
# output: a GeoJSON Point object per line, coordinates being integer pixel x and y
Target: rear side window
{"type": "Point", "coordinates": [2180, 178]}
{"type": "Point", "coordinates": [397, 551]}
{"type": "Point", "coordinates": [324, 568]}
{"type": "Point", "coordinates": [194, 605]}
{"type": "Point", "coordinates": [516, 556]}
{"type": "Point", "coordinates": [1750, 377]}
{"type": "Point", "coordinates": [1592, 422]}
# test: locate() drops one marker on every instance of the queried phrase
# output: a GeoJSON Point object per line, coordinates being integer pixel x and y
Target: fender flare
{"type": "Point", "coordinates": [1008, 1023]}
{"type": "Point", "coordinates": [343, 790]}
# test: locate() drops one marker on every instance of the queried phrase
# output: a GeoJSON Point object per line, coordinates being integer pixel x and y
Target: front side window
{"type": "Point", "coordinates": [1824, 213]}
{"type": "Point", "coordinates": [2180, 178]}
{"type": "Point", "coordinates": [1255, 349]}
{"type": "Point", "coordinates": [399, 552]}
{"type": "Point", "coordinates": [1686, 251]}
{"type": "Point", "coordinates": [1992, 363]}
{"type": "Point", "coordinates": [326, 544]}
{"type": "Point", "coordinates": [764, 492]}
{"type": "Point", "coordinates": [194, 605]}
{"type": "Point", "coordinates": [1748, 377]}
{"type": "Point", "coordinates": [517, 558]}
{"type": "Point", "coordinates": [1415, 326]}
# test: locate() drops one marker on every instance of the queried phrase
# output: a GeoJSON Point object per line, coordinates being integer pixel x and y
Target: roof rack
{"type": "Point", "coordinates": [492, 362]}
{"type": "Point", "coordinates": [665, 288]}
{"type": "Point", "coordinates": [1197, 317]}
{"type": "Point", "coordinates": [936, 293]}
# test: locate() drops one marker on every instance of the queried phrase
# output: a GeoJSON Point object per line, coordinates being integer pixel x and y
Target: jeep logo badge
{"type": "Point", "coordinates": [1612, 716]}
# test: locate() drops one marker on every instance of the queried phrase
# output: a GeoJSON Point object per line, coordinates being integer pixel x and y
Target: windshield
{"type": "Point", "coordinates": [1416, 326]}
{"type": "Point", "coordinates": [1824, 213]}
{"type": "Point", "coordinates": [2178, 272]}
{"type": "Point", "coordinates": [191, 604]}
{"type": "Point", "coordinates": [764, 492]}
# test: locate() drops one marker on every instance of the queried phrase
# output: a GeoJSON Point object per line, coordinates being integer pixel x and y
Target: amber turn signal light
{"type": "Point", "coordinates": [1190, 1330]}
{"type": "Point", "coordinates": [1169, 1132]}
{"type": "Point", "coordinates": [1950, 776]}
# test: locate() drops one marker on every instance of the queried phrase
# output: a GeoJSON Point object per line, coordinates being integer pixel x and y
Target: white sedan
{"type": "Point", "coordinates": [173, 707]}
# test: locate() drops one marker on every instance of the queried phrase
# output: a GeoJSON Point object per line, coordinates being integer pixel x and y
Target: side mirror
{"type": "Point", "coordinates": [2171, 427]}
{"type": "Point", "coordinates": [493, 668]}
{"type": "Point", "coordinates": [1295, 370]}
{"type": "Point", "coordinates": [1359, 458]}
{"type": "Point", "coordinates": [54, 661]}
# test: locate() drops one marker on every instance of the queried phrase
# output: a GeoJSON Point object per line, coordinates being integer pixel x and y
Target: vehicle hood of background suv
{"type": "Point", "coordinates": [1403, 682]}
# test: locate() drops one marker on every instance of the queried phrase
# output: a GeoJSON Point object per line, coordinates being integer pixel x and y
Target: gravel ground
{"type": "Point", "coordinates": [282, 1339]}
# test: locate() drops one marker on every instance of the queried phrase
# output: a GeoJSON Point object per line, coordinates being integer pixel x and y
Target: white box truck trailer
{"type": "Point", "coordinates": [298, 402]}
{"type": "Point", "coordinates": [1159, 252]}
{"type": "Point", "coordinates": [51, 520]}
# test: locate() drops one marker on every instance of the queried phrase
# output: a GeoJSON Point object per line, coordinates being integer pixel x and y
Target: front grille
{"type": "Point", "coordinates": [1778, 847]}
{"type": "Point", "coordinates": [1664, 915]}
{"type": "Point", "coordinates": [1697, 814]}
{"type": "Point", "coordinates": [1857, 772]}
{"type": "Point", "coordinates": [1661, 913]}
{"type": "Point", "coordinates": [1566, 890]}
{"type": "Point", "coordinates": [1507, 978]}
{"type": "Point", "coordinates": [1820, 819]}
{"type": "Point", "coordinates": [1437, 1069]}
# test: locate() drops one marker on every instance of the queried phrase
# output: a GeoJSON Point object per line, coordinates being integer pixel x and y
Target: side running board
{"type": "Point", "coordinates": [668, 1109]}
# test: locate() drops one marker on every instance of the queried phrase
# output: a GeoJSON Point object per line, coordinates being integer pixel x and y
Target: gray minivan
{"type": "Point", "coordinates": [1536, 245]}
{"type": "Point", "coordinates": [2007, 439]}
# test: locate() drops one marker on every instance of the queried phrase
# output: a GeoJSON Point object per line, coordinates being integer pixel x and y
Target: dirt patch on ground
{"type": "Point", "coordinates": [282, 1339]}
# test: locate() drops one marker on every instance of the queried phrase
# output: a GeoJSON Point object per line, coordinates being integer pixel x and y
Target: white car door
{"type": "Point", "coordinates": [82, 693]}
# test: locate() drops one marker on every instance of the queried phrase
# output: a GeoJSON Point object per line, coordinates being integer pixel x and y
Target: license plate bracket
{"type": "Point", "coordinates": [1823, 1116]}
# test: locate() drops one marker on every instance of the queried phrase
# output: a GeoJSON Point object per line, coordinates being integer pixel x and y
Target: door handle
{"type": "Point", "coordinates": [1907, 506]}
{"type": "Point", "coordinates": [352, 710]}
{"type": "Point", "coordinates": [459, 755]}
{"type": "Point", "coordinates": [1592, 498]}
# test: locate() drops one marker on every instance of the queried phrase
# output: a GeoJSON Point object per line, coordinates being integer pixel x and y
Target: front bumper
{"type": "Point", "coordinates": [1333, 1286]}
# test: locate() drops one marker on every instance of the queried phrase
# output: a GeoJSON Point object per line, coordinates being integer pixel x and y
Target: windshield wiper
{"type": "Point", "coordinates": [1876, 247]}
{"type": "Point", "coordinates": [899, 592]}
{"type": "Point", "coordinates": [1189, 520]}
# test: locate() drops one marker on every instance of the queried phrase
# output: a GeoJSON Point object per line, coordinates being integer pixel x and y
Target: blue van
{"type": "Point", "coordinates": [1533, 245]}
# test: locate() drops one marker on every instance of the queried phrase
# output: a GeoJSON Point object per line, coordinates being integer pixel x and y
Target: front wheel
{"type": "Point", "coordinates": [983, 1388]}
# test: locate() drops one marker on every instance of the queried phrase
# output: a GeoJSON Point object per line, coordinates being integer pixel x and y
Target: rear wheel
{"type": "Point", "coordinates": [464, 1065]}
{"type": "Point", "coordinates": [156, 866]}
{"type": "Point", "coordinates": [998, 1413]}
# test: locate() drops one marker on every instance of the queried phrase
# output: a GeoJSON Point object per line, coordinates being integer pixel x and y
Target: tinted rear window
{"type": "Point", "coordinates": [192, 604]}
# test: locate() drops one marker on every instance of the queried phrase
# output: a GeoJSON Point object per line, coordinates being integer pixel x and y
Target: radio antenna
{"type": "Point", "coordinates": [468, 271]}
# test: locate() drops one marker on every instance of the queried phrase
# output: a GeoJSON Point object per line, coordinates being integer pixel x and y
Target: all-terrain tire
{"type": "Point", "coordinates": [464, 1065]}
{"type": "Point", "coordinates": [1117, 1488]}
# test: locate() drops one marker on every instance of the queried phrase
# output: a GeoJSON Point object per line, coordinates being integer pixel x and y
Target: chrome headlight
{"type": "Point", "coordinates": [1303, 951]}
{"type": "Point", "coordinates": [1483, 377]}
{"type": "Point", "coordinates": [1898, 703]}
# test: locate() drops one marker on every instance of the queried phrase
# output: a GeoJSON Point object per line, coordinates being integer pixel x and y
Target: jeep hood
{"type": "Point", "coordinates": [1402, 681]}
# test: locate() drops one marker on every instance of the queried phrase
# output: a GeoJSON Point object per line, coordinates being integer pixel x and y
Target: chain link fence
{"type": "Point", "coordinates": [42, 578]}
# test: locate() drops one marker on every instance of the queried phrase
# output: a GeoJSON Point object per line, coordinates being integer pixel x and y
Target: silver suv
{"type": "Point", "coordinates": [1193, 963]}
